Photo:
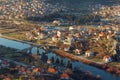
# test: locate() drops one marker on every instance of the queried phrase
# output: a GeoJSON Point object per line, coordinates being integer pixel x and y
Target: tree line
{"type": "Point", "coordinates": [80, 19]}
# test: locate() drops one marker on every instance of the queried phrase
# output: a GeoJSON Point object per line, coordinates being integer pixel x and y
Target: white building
{"type": "Point", "coordinates": [89, 53]}
{"type": "Point", "coordinates": [107, 59]}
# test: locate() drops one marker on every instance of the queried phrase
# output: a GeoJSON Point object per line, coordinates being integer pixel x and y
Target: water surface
{"type": "Point", "coordinates": [95, 71]}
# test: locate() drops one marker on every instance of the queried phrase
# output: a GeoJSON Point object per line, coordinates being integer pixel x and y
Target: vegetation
{"type": "Point", "coordinates": [5, 53]}
{"type": "Point", "coordinates": [81, 19]}
{"type": "Point", "coordinates": [28, 59]}
{"type": "Point", "coordinates": [103, 47]}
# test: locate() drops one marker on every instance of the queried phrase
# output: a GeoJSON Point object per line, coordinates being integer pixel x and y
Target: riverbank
{"type": "Point", "coordinates": [108, 68]}
{"type": "Point", "coordinates": [18, 34]}
{"type": "Point", "coordinates": [22, 65]}
{"type": "Point", "coordinates": [95, 71]}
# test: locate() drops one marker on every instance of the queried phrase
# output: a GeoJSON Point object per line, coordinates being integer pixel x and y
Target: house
{"type": "Point", "coordinates": [51, 70]}
{"type": "Point", "coordinates": [70, 39]}
{"type": "Point", "coordinates": [95, 38]}
{"type": "Point", "coordinates": [101, 34]}
{"type": "Point", "coordinates": [55, 38]}
{"type": "Point", "coordinates": [109, 36]}
{"type": "Point", "coordinates": [107, 59]}
{"type": "Point", "coordinates": [58, 33]}
{"type": "Point", "coordinates": [49, 61]}
{"type": "Point", "coordinates": [77, 35]}
{"type": "Point", "coordinates": [77, 51]}
{"type": "Point", "coordinates": [42, 36]}
{"type": "Point", "coordinates": [89, 53]}
{"type": "Point", "coordinates": [29, 35]}
{"type": "Point", "coordinates": [56, 22]}
{"type": "Point", "coordinates": [64, 76]}
{"type": "Point", "coordinates": [71, 28]}
{"type": "Point", "coordinates": [66, 42]}
{"type": "Point", "coordinates": [65, 47]}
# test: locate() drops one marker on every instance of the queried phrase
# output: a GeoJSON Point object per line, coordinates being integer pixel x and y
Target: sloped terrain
{"type": "Point", "coordinates": [40, 8]}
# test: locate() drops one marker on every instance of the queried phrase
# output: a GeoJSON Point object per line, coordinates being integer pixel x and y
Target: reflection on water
{"type": "Point", "coordinates": [13, 44]}
{"type": "Point", "coordinates": [95, 71]}
{"type": "Point", "coordinates": [84, 67]}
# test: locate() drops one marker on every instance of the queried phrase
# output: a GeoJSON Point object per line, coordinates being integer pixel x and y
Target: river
{"type": "Point", "coordinates": [95, 71]}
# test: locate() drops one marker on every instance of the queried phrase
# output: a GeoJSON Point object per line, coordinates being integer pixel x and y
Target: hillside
{"type": "Point", "coordinates": [83, 4]}
{"type": "Point", "coordinates": [39, 8]}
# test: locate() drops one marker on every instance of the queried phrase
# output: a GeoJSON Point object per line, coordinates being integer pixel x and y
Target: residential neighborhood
{"type": "Point", "coordinates": [59, 40]}
{"type": "Point", "coordinates": [65, 38]}
{"type": "Point", "coordinates": [26, 8]}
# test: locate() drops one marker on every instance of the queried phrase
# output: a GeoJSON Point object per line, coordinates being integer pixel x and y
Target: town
{"type": "Point", "coordinates": [52, 48]}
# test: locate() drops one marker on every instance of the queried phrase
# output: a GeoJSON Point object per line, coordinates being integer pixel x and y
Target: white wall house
{"type": "Point", "coordinates": [107, 59]}
{"type": "Point", "coordinates": [89, 53]}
